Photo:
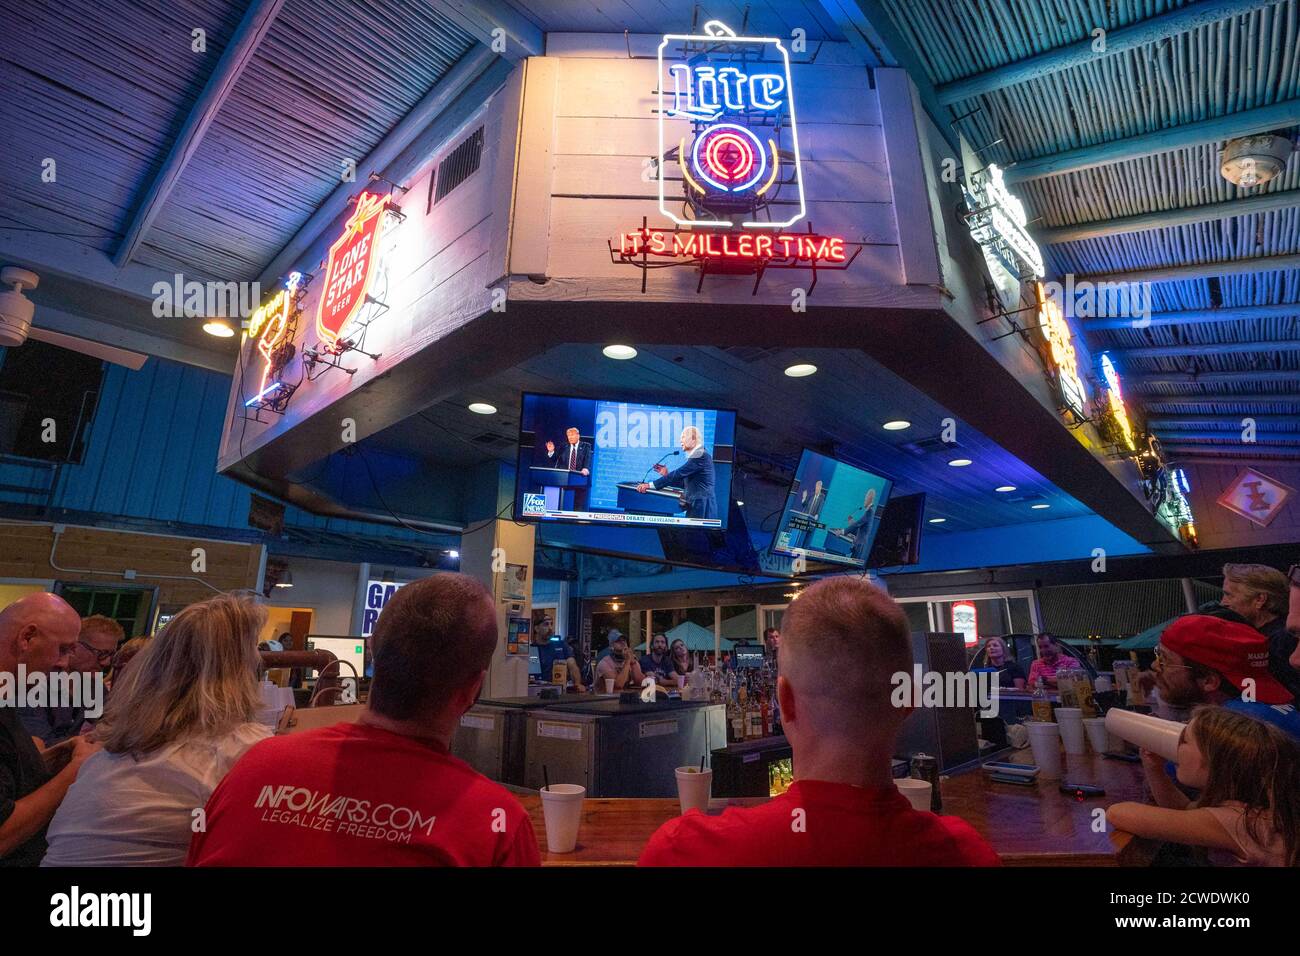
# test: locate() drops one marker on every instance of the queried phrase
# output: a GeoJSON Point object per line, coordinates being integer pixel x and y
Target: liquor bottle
{"type": "Point", "coordinates": [735, 721]}
{"type": "Point", "coordinates": [766, 714]}
{"type": "Point", "coordinates": [1041, 706]}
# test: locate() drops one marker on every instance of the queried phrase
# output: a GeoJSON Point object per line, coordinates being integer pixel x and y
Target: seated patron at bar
{"type": "Point", "coordinates": [1247, 809]}
{"type": "Point", "coordinates": [551, 648]}
{"type": "Point", "coordinates": [383, 791]}
{"type": "Point", "coordinates": [772, 643]}
{"type": "Point", "coordinates": [1259, 595]}
{"type": "Point", "coordinates": [92, 654]}
{"type": "Point", "coordinates": [1293, 612]}
{"type": "Point", "coordinates": [843, 641]}
{"type": "Point", "coordinates": [682, 662]}
{"type": "Point", "coordinates": [1051, 658]}
{"type": "Point", "coordinates": [176, 722]}
{"type": "Point", "coordinates": [620, 665]}
{"type": "Point", "coordinates": [37, 633]}
{"type": "Point", "coordinates": [1010, 674]}
{"type": "Point", "coordinates": [657, 663]}
{"type": "Point", "coordinates": [1207, 660]}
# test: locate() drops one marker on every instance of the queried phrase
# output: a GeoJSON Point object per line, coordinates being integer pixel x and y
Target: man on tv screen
{"type": "Point", "coordinates": [573, 455]}
{"type": "Point", "coordinates": [859, 528]}
{"type": "Point", "coordinates": [695, 477]}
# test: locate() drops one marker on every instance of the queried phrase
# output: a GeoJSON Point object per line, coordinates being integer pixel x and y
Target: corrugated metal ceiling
{"type": "Point", "coordinates": [1234, 64]}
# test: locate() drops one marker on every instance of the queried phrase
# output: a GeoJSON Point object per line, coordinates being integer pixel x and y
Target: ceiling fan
{"type": "Point", "coordinates": [16, 311]}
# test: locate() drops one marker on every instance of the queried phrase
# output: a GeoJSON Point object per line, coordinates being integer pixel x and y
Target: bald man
{"type": "Point", "coordinates": [841, 644]}
{"type": "Point", "coordinates": [37, 633]}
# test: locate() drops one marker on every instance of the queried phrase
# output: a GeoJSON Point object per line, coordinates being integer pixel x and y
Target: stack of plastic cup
{"type": "Point", "coordinates": [1045, 742]}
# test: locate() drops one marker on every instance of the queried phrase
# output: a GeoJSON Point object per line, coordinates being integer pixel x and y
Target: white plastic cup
{"type": "Point", "coordinates": [916, 791]}
{"type": "Point", "coordinates": [1104, 683]}
{"type": "Point", "coordinates": [694, 787]}
{"type": "Point", "coordinates": [1045, 742]}
{"type": "Point", "coordinates": [609, 685]}
{"type": "Point", "coordinates": [1070, 720]}
{"type": "Point", "coordinates": [562, 813]}
{"type": "Point", "coordinates": [1097, 736]}
{"type": "Point", "coordinates": [1150, 733]}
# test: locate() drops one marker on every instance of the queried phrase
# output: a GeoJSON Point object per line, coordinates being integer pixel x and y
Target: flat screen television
{"type": "Point", "coordinates": [593, 460]}
{"type": "Point", "coordinates": [832, 512]}
{"type": "Point", "coordinates": [898, 540]}
{"type": "Point", "coordinates": [713, 548]}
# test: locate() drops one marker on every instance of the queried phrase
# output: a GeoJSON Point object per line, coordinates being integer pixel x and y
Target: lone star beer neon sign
{"type": "Point", "coordinates": [350, 268]}
{"type": "Point", "coordinates": [730, 158]}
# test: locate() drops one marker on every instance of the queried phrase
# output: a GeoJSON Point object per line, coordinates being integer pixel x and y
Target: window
{"type": "Point", "coordinates": [130, 607]}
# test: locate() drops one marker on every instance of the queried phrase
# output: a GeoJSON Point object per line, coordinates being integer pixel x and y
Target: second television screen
{"type": "Point", "coordinates": [585, 459]}
{"type": "Point", "coordinates": [832, 512]}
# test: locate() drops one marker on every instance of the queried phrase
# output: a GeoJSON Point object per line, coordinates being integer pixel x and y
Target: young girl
{"type": "Point", "coordinates": [1248, 809]}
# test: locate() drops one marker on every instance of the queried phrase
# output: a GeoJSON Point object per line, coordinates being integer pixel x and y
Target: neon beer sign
{"type": "Point", "coordinates": [729, 158]}
{"type": "Point", "coordinates": [1061, 344]}
{"type": "Point", "coordinates": [1116, 399]}
{"type": "Point", "coordinates": [350, 268]}
{"type": "Point", "coordinates": [756, 247]}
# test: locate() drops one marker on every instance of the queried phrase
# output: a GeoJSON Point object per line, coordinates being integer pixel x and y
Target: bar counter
{"type": "Point", "coordinates": [1027, 826]}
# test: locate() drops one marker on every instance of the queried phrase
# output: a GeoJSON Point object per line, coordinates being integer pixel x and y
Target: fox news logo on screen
{"type": "Point", "coordinates": [534, 504]}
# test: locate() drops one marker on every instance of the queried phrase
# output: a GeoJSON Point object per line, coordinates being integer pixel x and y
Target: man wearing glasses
{"type": "Point", "coordinates": [1293, 616]}
{"type": "Point", "coordinates": [1208, 660]}
{"type": "Point", "coordinates": [93, 654]}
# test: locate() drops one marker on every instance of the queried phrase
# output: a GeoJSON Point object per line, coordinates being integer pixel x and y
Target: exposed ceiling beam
{"type": "Point", "coordinates": [140, 340]}
{"type": "Point", "coordinates": [50, 255]}
{"type": "Point", "coordinates": [1199, 270]}
{"type": "Point", "coordinates": [1204, 378]}
{"type": "Point", "coordinates": [1209, 434]}
{"type": "Point", "coordinates": [1262, 119]}
{"type": "Point", "coordinates": [443, 93]}
{"type": "Point", "coordinates": [872, 32]}
{"type": "Point", "coordinates": [518, 38]}
{"type": "Point", "coordinates": [235, 57]}
{"type": "Point", "coordinates": [1197, 316]}
{"type": "Point", "coordinates": [1119, 40]}
{"type": "Point", "coordinates": [1205, 455]}
{"type": "Point", "coordinates": [1165, 218]}
{"type": "Point", "coordinates": [1216, 398]}
{"type": "Point", "coordinates": [1211, 418]}
{"type": "Point", "coordinates": [1213, 348]}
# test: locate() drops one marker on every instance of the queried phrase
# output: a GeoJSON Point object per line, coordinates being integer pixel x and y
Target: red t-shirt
{"type": "Point", "coordinates": [841, 825]}
{"type": "Point", "coordinates": [354, 795]}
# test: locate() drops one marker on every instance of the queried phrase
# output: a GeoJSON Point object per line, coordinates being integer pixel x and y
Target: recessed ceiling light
{"type": "Point", "coordinates": [620, 352]}
{"type": "Point", "coordinates": [938, 520]}
{"type": "Point", "coordinates": [896, 426]}
{"type": "Point", "coordinates": [739, 503]}
{"type": "Point", "coordinates": [219, 327]}
{"type": "Point", "coordinates": [482, 408]}
{"type": "Point", "coordinates": [1005, 488]}
{"type": "Point", "coordinates": [453, 553]}
{"type": "Point", "coordinates": [959, 462]}
{"type": "Point", "coordinates": [1040, 506]}
{"type": "Point", "coordinates": [800, 370]}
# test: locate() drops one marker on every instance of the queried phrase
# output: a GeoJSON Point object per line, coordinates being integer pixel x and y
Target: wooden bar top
{"type": "Point", "coordinates": [1027, 826]}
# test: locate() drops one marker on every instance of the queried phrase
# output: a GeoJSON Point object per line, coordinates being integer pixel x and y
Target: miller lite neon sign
{"type": "Point", "coordinates": [737, 107]}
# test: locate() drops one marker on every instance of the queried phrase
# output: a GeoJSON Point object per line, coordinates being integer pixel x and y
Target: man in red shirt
{"type": "Point", "coordinates": [841, 643]}
{"type": "Point", "coordinates": [383, 791]}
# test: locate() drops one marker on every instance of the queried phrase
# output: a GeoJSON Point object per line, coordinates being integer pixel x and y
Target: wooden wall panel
{"type": "Point", "coordinates": [25, 553]}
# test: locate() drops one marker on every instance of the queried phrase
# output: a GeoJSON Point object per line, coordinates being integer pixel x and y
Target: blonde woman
{"type": "Point", "coordinates": [179, 718]}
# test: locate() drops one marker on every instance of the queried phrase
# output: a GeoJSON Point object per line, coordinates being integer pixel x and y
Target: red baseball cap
{"type": "Point", "coordinates": [1237, 651]}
